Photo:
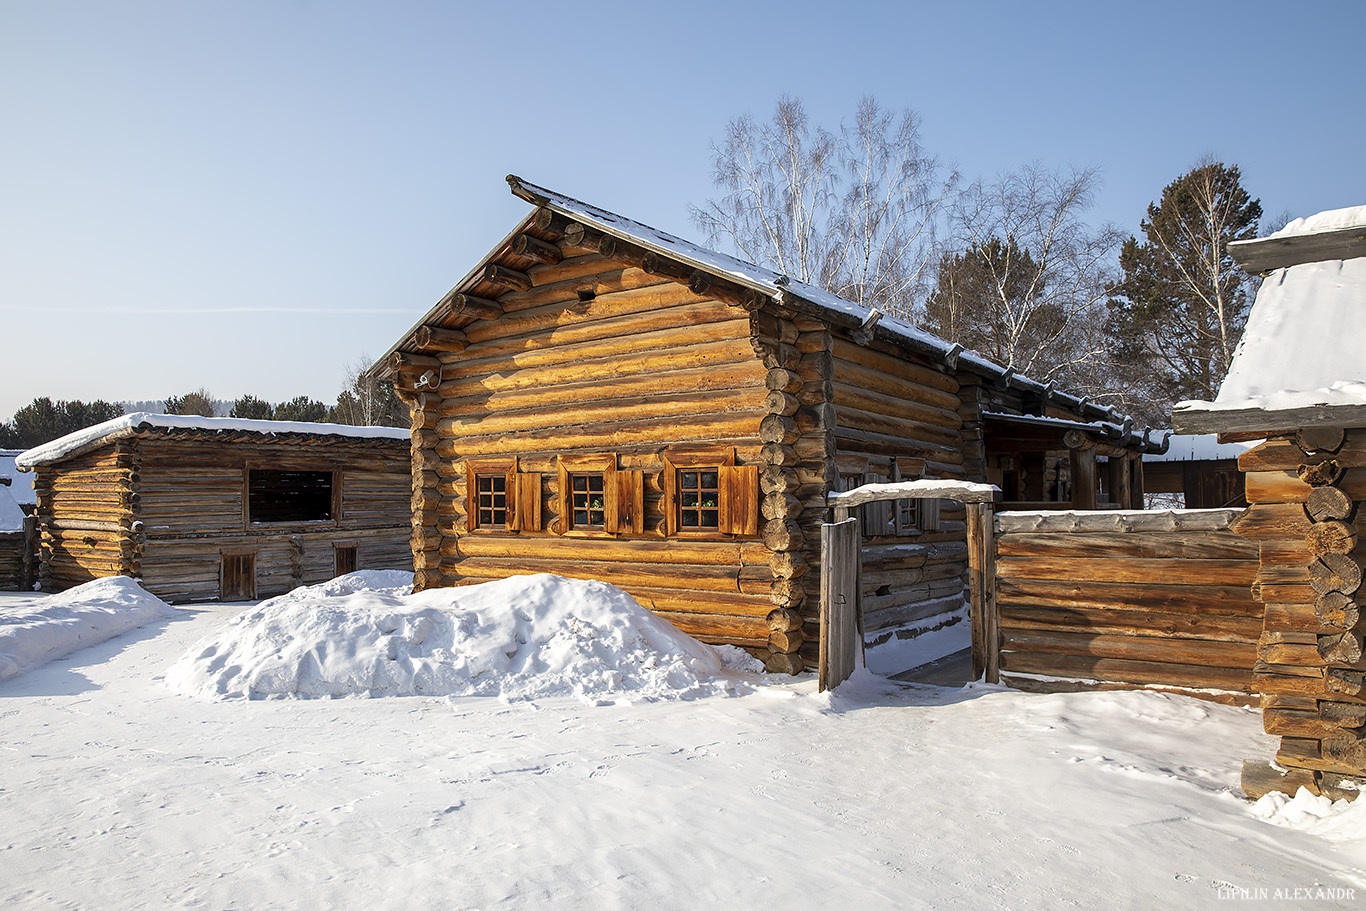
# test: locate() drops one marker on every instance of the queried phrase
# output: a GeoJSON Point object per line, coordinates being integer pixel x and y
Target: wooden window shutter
{"type": "Point", "coordinates": [471, 498]}
{"type": "Point", "coordinates": [629, 509]}
{"type": "Point", "coordinates": [524, 510]}
{"type": "Point", "coordinates": [929, 515]}
{"type": "Point", "coordinates": [670, 497]}
{"type": "Point", "coordinates": [740, 505]}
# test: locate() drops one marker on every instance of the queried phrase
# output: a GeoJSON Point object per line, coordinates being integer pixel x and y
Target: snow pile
{"type": "Point", "coordinates": [85, 615]}
{"type": "Point", "coordinates": [520, 638]}
{"type": "Point", "coordinates": [1342, 820]}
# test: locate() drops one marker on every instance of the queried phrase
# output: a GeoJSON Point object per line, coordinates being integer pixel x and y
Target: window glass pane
{"type": "Point", "coordinates": [492, 500]}
{"type": "Point", "coordinates": [588, 501]}
{"type": "Point", "coordinates": [289, 496]}
{"type": "Point", "coordinates": [699, 499]}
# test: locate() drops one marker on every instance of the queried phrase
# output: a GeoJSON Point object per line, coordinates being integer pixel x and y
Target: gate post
{"type": "Point", "coordinates": [986, 634]}
{"type": "Point", "coordinates": [841, 645]}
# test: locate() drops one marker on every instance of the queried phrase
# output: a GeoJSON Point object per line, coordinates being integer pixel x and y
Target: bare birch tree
{"type": "Point", "coordinates": [852, 211]}
{"type": "Point", "coordinates": [1030, 285]}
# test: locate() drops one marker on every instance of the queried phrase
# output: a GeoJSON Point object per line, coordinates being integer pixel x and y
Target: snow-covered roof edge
{"type": "Point", "coordinates": [129, 424]}
{"type": "Point", "coordinates": [1199, 447]}
{"type": "Point", "coordinates": [1106, 429]}
{"type": "Point", "coordinates": [782, 288]}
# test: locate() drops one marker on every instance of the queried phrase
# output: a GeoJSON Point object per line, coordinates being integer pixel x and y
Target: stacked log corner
{"type": "Point", "coordinates": [1305, 492]}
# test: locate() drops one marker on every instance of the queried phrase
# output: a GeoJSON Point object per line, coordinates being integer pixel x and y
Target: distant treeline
{"type": "Point", "coordinates": [364, 402]}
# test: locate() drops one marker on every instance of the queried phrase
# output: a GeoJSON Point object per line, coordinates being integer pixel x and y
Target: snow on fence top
{"type": "Point", "coordinates": [1299, 361]}
{"type": "Point", "coordinates": [132, 424]}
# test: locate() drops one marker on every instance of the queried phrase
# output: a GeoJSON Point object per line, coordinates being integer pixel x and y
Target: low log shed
{"type": "Point", "coordinates": [219, 508]}
{"type": "Point", "coordinates": [597, 398]}
{"type": "Point", "coordinates": [1298, 380]}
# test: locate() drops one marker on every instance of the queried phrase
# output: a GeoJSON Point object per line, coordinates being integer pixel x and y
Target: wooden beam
{"type": "Point", "coordinates": [1262, 423]}
{"type": "Point", "coordinates": [404, 360]}
{"type": "Point", "coordinates": [510, 278]}
{"type": "Point", "coordinates": [477, 307]}
{"type": "Point", "coordinates": [1084, 478]}
{"type": "Point", "coordinates": [1266, 253]}
{"type": "Point", "coordinates": [533, 248]}
{"type": "Point", "coordinates": [432, 338]}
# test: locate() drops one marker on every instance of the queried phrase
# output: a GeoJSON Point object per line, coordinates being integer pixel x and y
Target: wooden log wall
{"type": "Point", "coordinates": [897, 414]}
{"type": "Point", "coordinates": [86, 513]}
{"type": "Point", "coordinates": [1103, 599]}
{"type": "Point", "coordinates": [600, 356]}
{"type": "Point", "coordinates": [1305, 493]}
{"type": "Point", "coordinates": [11, 560]}
{"type": "Point", "coordinates": [165, 510]}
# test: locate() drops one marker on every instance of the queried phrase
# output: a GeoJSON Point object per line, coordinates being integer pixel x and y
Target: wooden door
{"type": "Point", "coordinates": [841, 646]}
{"type": "Point", "coordinates": [237, 578]}
{"type": "Point", "coordinates": [346, 559]}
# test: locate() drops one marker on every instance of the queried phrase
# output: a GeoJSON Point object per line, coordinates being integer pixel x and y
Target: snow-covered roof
{"type": "Point", "coordinates": [781, 288]}
{"type": "Point", "coordinates": [142, 422]}
{"type": "Point", "coordinates": [11, 516]}
{"type": "Point", "coordinates": [21, 485]}
{"type": "Point", "coordinates": [1105, 429]}
{"type": "Point", "coordinates": [1323, 222]}
{"type": "Point", "coordinates": [1199, 447]}
{"type": "Point", "coordinates": [1300, 360]}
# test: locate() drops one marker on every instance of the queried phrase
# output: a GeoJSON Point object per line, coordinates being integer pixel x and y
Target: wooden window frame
{"type": "Point", "coordinates": [522, 497]}
{"type": "Point", "coordinates": [738, 509]}
{"type": "Point", "coordinates": [623, 496]}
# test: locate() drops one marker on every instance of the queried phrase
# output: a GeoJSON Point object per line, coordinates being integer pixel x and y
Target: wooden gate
{"type": "Point", "coordinates": [841, 647]}
{"type": "Point", "coordinates": [237, 577]}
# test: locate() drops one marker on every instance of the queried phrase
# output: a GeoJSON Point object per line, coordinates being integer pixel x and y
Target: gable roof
{"type": "Point", "coordinates": [1299, 363]}
{"type": "Point", "coordinates": [781, 289]}
{"type": "Point", "coordinates": [142, 424]}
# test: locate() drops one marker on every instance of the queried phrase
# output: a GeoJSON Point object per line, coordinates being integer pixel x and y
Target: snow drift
{"type": "Point", "coordinates": [518, 638]}
{"type": "Point", "coordinates": [85, 615]}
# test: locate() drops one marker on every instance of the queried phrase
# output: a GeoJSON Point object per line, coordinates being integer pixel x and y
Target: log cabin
{"type": "Point", "coordinates": [219, 508]}
{"type": "Point", "coordinates": [1298, 379]}
{"type": "Point", "coordinates": [596, 398]}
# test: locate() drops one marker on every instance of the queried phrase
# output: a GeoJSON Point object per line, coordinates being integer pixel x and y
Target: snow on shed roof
{"type": "Point", "coordinates": [132, 424]}
{"type": "Point", "coordinates": [21, 485]}
{"type": "Point", "coordinates": [1300, 360]}
{"type": "Point", "coordinates": [11, 516]}
{"type": "Point", "coordinates": [1199, 447]}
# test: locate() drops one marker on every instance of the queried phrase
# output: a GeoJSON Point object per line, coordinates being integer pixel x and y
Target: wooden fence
{"type": "Point", "coordinates": [1105, 599]}
{"type": "Point", "coordinates": [18, 552]}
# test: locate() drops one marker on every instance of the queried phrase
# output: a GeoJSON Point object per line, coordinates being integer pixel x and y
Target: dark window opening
{"type": "Point", "coordinates": [699, 499]}
{"type": "Point", "coordinates": [289, 496]}
{"type": "Point", "coordinates": [907, 518]}
{"type": "Point", "coordinates": [493, 500]}
{"type": "Point", "coordinates": [588, 500]}
{"type": "Point", "coordinates": [586, 295]}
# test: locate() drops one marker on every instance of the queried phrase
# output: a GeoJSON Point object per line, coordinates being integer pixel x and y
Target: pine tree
{"type": "Point", "coordinates": [1178, 313]}
{"type": "Point", "coordinates": [301, 409]}
{"type": "Point", "coordinates": [44, 420]}
{"type": "Point", "coordinates": [252, 408]}
{"type": "Point", "coordinates": [199, 402]}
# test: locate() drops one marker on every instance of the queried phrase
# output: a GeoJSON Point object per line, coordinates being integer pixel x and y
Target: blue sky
{"type": "Point", "coordinates": [248, 196]}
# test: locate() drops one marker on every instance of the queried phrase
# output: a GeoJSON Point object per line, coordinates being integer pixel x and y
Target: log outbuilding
{"type": "Point", "coordinates": [1298, 378]}
{"type": "Point", "coordinates": [219, 508]}
{"type": "Point", "coordinates": [600, 399]}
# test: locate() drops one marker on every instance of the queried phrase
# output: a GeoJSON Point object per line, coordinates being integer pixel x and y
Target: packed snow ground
{"type": "Point", "coordinates": [120, 792]}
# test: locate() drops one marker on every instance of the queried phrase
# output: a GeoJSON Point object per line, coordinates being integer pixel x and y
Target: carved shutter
{"type": "Point", "coordinates": [524, 502]}
{"type": "Point", "coordinates": [740, 505]}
